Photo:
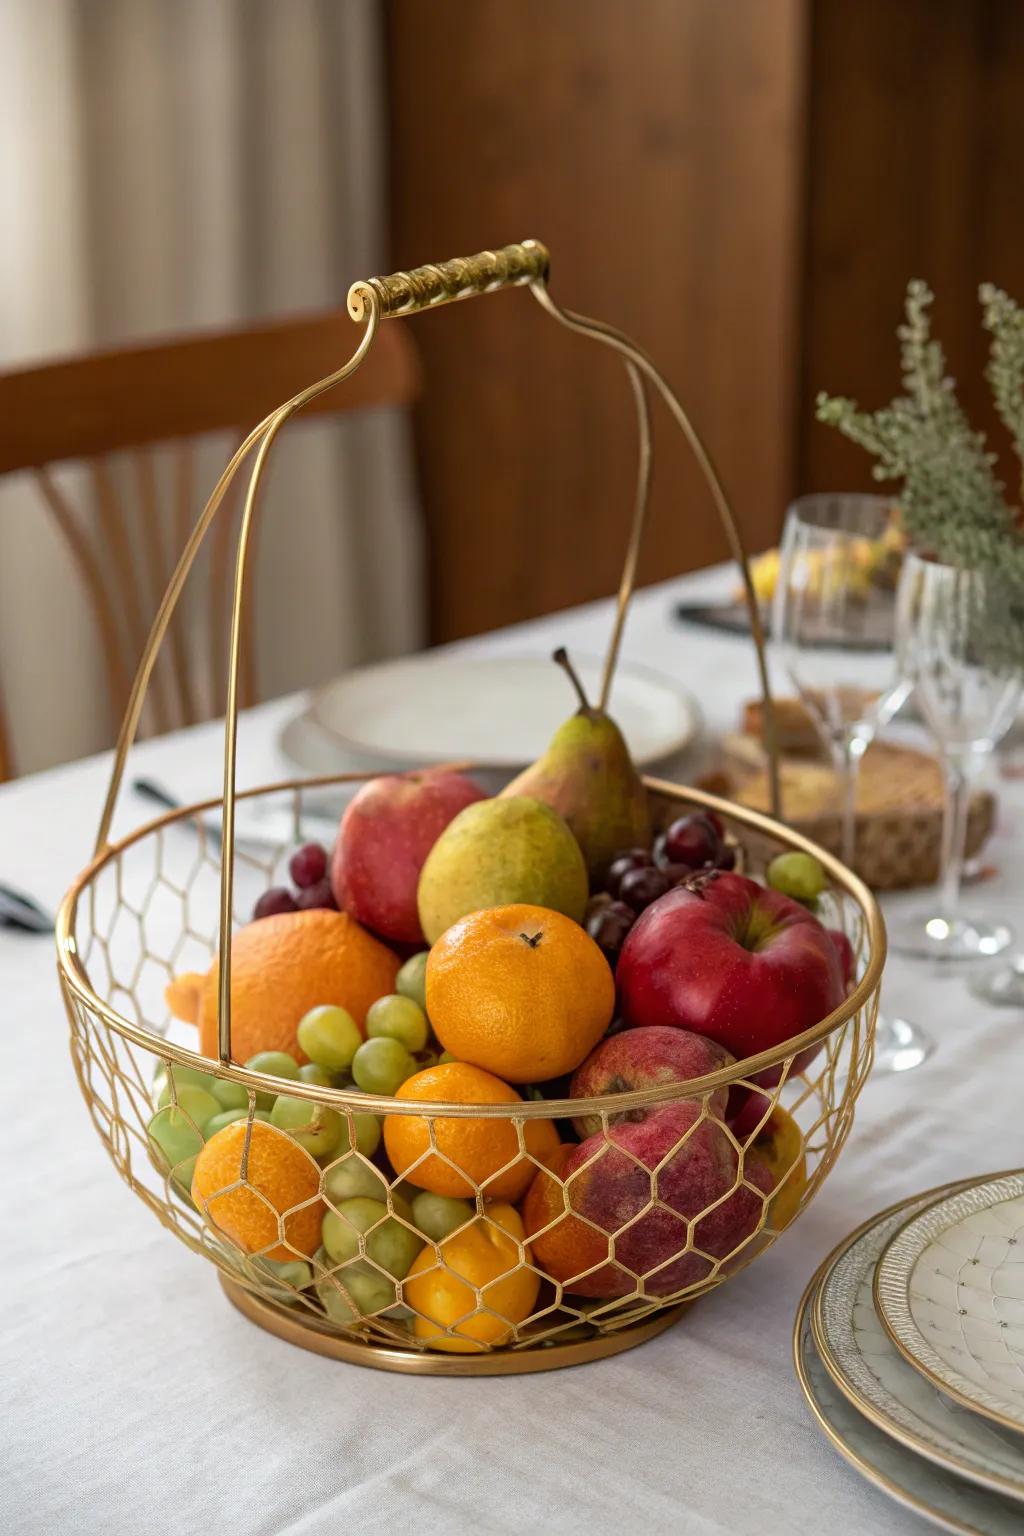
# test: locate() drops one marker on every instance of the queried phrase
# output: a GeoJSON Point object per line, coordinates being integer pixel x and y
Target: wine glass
{"type": "Point", "coordinates": [954, 640]}
{"type": "Point", "coordinates": [832, 630]}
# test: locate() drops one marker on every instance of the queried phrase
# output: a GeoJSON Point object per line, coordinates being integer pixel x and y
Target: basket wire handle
{"type": "Point", "coordinates": [370, 301]}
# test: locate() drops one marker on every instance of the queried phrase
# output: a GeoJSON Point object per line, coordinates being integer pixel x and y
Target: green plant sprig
{"type": "Point", "coordinates": [952, 502]}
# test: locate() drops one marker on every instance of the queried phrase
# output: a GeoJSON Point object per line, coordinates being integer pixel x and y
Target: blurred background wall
{"type": "Point", "coordinates": [745, 187]}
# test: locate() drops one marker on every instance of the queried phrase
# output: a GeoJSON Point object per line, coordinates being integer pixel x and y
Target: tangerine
{"type": "Point", "coordinates": [247, 1182]}
{"type": "Point", "coordinates": [471, 1290]}
{"type": "Point", "coordinates": [281, 967]}
{"type": "Point", "coordinates": [465, 1154]}
{"type": "Point", "coordinates": [521, 991]}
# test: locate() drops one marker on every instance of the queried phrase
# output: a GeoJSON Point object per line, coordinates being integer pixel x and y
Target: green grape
{"type": "Point", "coordinates": [173, 1134]}
{"type": "Point", "coordinates": [183, 1076]}
{"type": "Point", "coordinates": [370, 1291]}
{"type": "Point", "coordinates": [437, 1216]}
{"type": "Point", "coordinates": [229, 1095]}
{"type": "Point", "coordinates": [341, 1228]}
{"type": "Point", "coordinates": [389, 1243]}
{"type": "Point", "coordinates": [412, 979]}
{"type": "Point", "coordinates": [198, 1105]}
{"type": "Point", "coordinates": [284, 1278]}
{"type": "Point", "coordinates": [382, 1065]}
{"type": "Point", "coordinates": [798, 875]}
{"type": "Point", "coordinates": [397, 1018]}
{"type": "Point", "coordinates": [314, 1126]}
{"type": "Point", "coordinates": [352, 1178]}
{"type": "Point", "coordinates": [229, 1116]}
{"type": "Point", "coordinates": [367, 1129]}
{"type": "Point", "coordinates": [309, 1072]}
{"type": "Point", "coordinates": [330, 1037]}
{"type": "Point", "coordinates": [402, 1196]}
{"type": "Point", "coordinates": [445, 1057]}
{"type": "Point", "coordinates": [182, 1177]}
{"type": "Point", "coordinates": [275, 1064]}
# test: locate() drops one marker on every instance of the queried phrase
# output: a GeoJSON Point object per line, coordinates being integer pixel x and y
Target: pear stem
{"type": "Point", "coordinates": [562, 657]}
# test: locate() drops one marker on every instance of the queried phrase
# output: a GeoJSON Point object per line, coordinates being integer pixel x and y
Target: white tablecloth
{"type": "Point", "coordinates": [136, 1400]}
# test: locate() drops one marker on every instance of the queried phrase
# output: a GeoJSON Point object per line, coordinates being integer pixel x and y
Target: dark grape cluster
{"type": "Point", "coordinates": [308, 869]}
{"type": "Point", "coordinates": [636, 877]}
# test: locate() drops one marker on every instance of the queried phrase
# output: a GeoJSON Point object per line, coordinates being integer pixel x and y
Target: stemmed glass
{"type": "Point", "coordinates": [954, 640]}
{"type": "Point", "coordinates": [832, 628]}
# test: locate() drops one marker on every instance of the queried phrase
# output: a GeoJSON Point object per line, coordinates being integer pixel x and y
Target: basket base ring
{"type": "Point", "coordinates": [384, 1357]}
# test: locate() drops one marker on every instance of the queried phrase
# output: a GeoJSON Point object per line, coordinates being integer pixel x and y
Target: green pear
{"type": "Point", "coordinates": [498, 852]}
{"type": "Point", "coordinates": [588, 777]}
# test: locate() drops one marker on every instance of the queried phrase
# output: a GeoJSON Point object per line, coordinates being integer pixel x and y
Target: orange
{"type": "Point", "coordinates": [522, 991]}
{"type": "Point", "coordinates": [780, 1147]}
{"type": "Point", "coordinates": [478, 1148]}
{"type": "Point", "coordinates": [474, 1283]}
{"type": "Point", "coordinates": [283, 966]}
{"type": "Point", "coordinates": [279, 1175]}
{"type": "Point", "coordinates": [564, 1245]}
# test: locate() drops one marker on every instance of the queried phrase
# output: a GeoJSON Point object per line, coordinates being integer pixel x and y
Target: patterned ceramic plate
{"type": "Point", "coordinates": [856, 1351]}
{"type": "Point", "coordinates": [950, 1290]}
{"type": "Point", "coordinates": [947, 1501]}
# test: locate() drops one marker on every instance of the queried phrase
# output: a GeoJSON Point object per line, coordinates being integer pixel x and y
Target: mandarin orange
{"type": "Point", "coordinates": [473, 1288]}
{"type": "Point", "coordinates": [483, 1153]}
{"type": "Point", "coordinates": [243, 1192]}
{"type": "Point", "coordinates": [521, 991]}
{"type": "Point", "coordinates": [283, 966]}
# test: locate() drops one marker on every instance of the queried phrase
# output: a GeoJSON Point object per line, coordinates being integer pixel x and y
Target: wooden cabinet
{"type": "Point", "coordinates": [742, 185]}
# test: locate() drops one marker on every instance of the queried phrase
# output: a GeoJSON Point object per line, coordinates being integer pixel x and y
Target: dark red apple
{"type": "Point", "coordinates": [732, 960]}
{"type": "Point", "coordinates": [646, 1058]}
{"type": "Point", "coordinates": [681, 1166]}
{"type": "Point", "coordinates": [387, 831]}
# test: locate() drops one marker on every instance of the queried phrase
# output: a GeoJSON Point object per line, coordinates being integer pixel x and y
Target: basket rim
{"type": "Point", "coordinates": [75, 981]}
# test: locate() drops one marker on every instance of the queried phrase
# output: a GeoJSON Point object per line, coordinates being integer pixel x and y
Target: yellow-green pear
{"type": "Point", "coordinates": [496, 853]}
{"type": "Point", "coordinates": [588, 777]}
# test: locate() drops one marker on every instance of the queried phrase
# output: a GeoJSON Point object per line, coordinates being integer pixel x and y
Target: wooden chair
{"type": "Point", "coordinates": [131, 401]}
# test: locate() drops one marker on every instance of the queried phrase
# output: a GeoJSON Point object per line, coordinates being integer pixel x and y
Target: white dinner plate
{"type": "Point", "coordinates": [858, 1354]}
{"type": "Point", "coordinates": [950, 1290]}
{"type": "Point", "coordinates": [946, 1501]}
{"type": "Point", "coordinates": [499, 712]}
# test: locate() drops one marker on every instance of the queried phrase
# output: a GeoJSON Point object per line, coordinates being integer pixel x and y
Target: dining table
{"type": "Point", "coordinates": [138, 1401]}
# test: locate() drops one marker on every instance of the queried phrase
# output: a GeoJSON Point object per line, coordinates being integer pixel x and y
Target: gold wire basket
{"type": "Point", "coordinates": [572, 1283]}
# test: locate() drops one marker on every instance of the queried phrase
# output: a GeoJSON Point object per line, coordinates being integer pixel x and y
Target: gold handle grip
{"type": "Point", "coordinates": [403, 293]}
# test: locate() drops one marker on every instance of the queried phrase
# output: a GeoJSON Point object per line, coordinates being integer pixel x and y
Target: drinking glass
{"type": "Point", "coordinates": [832, 627]}
{"type": "Point", "coordinates": [954, 641]}
{"type": "Point", "coordinates": [832, 631]}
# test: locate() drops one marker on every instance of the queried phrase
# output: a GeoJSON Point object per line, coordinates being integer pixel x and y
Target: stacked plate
{"type": "Point", "coordinates": [909, 1346]}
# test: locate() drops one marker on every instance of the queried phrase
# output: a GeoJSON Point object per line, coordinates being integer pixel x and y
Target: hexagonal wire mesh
{"type": "Point", "coordinates": [623, 1228]}
{"type": "Point", "coordinates": [533, 1249]}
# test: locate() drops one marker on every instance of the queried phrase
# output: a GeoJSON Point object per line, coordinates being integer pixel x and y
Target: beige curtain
{"type": "Point", "coordinates": [174, 163]}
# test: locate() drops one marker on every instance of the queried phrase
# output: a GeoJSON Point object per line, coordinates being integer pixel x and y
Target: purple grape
{"type": "Point", "coordinates": [717, 822]}
{"type": "Point", "coordinates": [692, 840]}
{"type": "Point", "coordinates": [623, 864]}
{"type": "Point", "coordinates": [609, 925]}
{"type": "Point", "coordinates": [308, 865]}
{"type": "Point", "coordinates": [318, 895]}
{"type": "Point", "coordinates": [727, 857]}
{"type": "Point", "coordinates": [642, 886]}
{"type": "Point", "coordinates": [277, 899]}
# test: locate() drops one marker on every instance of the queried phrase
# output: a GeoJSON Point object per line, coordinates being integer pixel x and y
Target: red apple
{"type": "Point", "coordinates": [387, 831]}
{"type": "Point", "coordinates": [670, 1158]}
{"type": "Point", "coordinates": [847, 959]}
{"type": "Point", "coordinates": [646, 1058]}
{"type": "Point", "coordinates": [732, 960]}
